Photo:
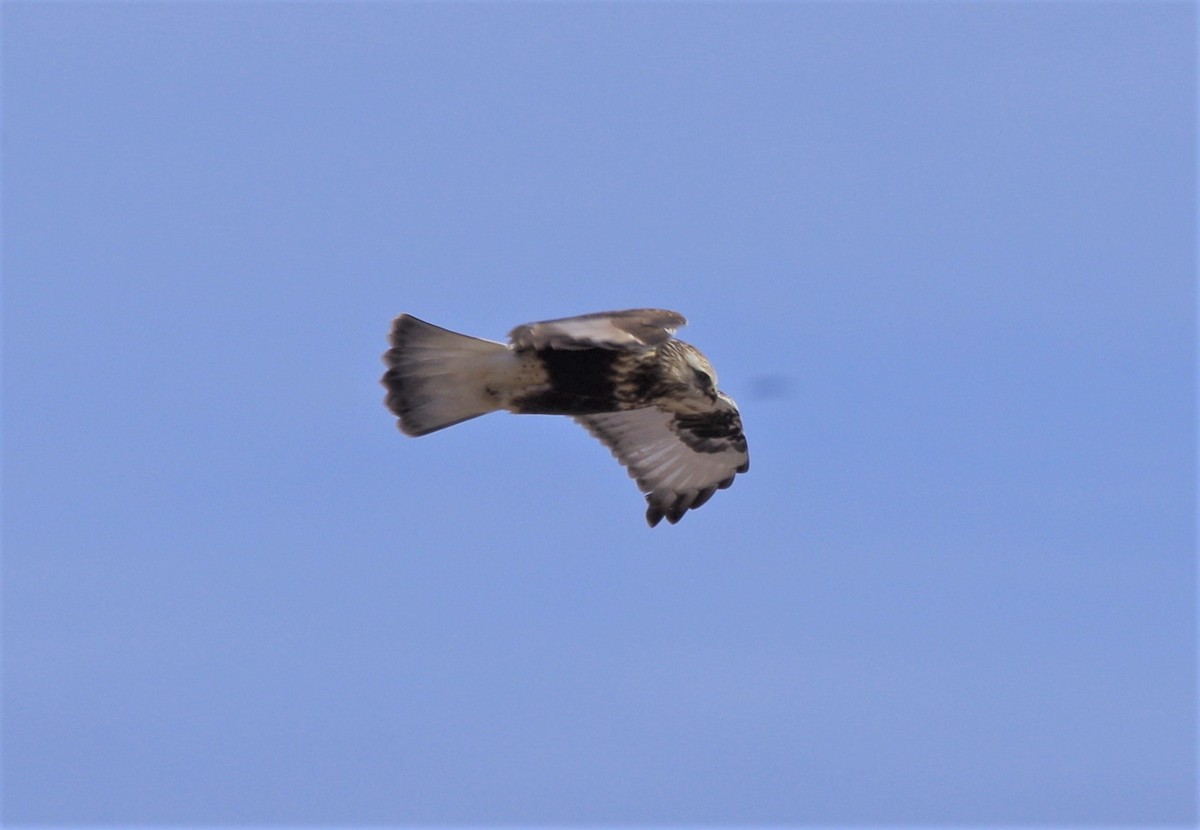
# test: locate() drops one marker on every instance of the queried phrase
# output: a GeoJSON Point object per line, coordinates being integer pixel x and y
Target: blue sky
{"type": "Point", "coordinates": [942, 254]}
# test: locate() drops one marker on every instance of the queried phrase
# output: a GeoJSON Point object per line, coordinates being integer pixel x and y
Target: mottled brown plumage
{"type": "Point", "coordinates": [651, 399]}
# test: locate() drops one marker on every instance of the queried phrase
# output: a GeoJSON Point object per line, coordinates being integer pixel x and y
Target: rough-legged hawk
{"type": "Point", "coordinates": [651, 399]}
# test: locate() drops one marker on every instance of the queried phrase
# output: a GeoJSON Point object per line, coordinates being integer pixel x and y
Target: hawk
{"type": "Point", "coordinates": [651, 399]}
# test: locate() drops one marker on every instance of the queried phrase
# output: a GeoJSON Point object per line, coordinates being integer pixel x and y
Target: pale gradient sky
{"type": "Point", "coordinates": [942, 254]}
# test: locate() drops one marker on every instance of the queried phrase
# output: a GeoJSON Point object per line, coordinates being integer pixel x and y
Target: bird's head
{"type": "Point", "coordinates": [691, 370]}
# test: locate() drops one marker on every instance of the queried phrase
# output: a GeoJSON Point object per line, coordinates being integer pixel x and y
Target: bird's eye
{"type": "Point", "coordinates": [703, 379]}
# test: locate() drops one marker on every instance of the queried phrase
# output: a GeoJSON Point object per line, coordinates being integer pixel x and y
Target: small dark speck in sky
{"type": "Point", "coordinates": [770, 387]}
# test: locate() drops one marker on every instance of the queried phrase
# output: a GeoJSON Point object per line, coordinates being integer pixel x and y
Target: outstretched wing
{"type": "Point", "coordinates": [678, 460]}
{"type": "Point", "coordinates": [632, 330]}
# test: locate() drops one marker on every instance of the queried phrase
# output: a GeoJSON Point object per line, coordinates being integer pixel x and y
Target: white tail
{"type": "Point", "coordinates": [437, 378]}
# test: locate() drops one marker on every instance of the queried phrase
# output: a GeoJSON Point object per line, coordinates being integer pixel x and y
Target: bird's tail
{"type": "Point", "coordinates": [437, 378]}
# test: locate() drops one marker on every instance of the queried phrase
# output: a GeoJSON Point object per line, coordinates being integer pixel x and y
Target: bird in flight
{"type": "Point", "coordinates": [651, 399]}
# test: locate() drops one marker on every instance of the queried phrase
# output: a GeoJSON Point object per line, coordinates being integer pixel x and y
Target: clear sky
{"type": "Point", "coordinates": [942, 254]}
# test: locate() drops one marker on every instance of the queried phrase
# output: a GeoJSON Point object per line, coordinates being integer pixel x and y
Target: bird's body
{"type": "Point", "coordinates": [652, 399]}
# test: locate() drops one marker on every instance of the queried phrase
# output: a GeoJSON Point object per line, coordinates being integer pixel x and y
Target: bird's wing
{"type": "Point", "coordinates": [678, 460]}
{"type": "Point", "coordinates": [632, 330]}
